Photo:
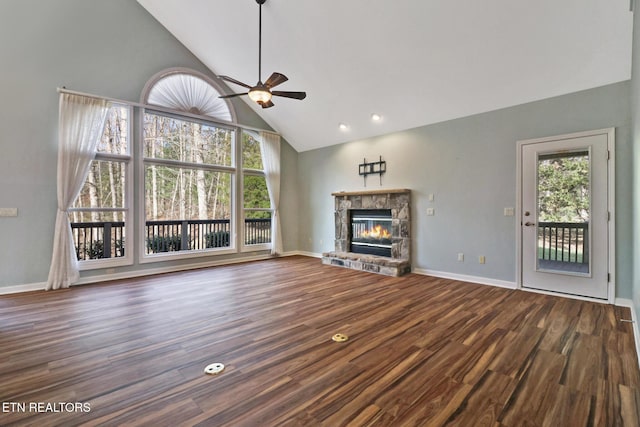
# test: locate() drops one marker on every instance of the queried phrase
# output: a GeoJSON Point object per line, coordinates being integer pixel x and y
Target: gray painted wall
{"type": "Point", "coordinates": [108, 48]}
{"type": "Point", "coordinates": [469, 165]}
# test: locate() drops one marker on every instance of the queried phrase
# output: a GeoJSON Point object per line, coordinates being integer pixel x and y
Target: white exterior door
{"type": "Point", "coordinates": [566, 200]}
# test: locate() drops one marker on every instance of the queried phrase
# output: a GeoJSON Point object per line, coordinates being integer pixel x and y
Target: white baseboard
{"type": "Point", "coordinates": [465, 278]}
{"type": "Point", "coordinates": [310, 254]}
{"type": "Point", "coordinates": [302, 253]}
{"type": "Point", "coordinates": [30, 287]}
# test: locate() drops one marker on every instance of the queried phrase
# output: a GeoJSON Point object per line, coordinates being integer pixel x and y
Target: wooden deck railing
{"type": "Point", "coordinates": [563, 241]}
{"type": "Point", "coordinates": [164, 236]}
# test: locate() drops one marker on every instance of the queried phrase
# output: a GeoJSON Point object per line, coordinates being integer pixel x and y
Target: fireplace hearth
{"type": "Point", "coordinates": [372, 231]}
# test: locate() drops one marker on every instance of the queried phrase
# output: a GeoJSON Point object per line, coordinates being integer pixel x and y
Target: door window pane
{"type": "Point", "coordinates": [564, 198]}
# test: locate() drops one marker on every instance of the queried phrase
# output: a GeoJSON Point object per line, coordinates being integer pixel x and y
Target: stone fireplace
{"type": "Point", "coordinates": [372, 231]}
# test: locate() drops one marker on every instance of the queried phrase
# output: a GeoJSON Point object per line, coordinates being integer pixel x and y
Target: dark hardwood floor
{"type": "Point", "coordinates": [422, 351]}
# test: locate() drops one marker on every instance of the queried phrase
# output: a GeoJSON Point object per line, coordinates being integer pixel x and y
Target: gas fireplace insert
{"type": "Point", "coordinates": [370, 231]}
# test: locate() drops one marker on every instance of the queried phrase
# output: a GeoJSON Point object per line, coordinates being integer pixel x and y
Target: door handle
{"type": "Point", "coordinates": [529, 224]}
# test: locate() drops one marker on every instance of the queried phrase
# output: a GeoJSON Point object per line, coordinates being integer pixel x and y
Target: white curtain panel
{"type": "Point", "coordinates": [270, 146]}
{"type": "Point", "coordinates": [184, 92]}
{"type": "Point", "coordinates": [80, 125]}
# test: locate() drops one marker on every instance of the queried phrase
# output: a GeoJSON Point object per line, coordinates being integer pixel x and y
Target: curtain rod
{"type": "Point", "coordinates": [163, 109]}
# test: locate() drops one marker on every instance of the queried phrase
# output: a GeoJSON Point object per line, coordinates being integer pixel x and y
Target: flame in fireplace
{"type": "Point", "coordinates": [377, 232]}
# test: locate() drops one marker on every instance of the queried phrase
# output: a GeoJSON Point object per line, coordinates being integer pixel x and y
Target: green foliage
{"type": "Point", "coordinates": [95, 250]}
{"type": "Point", "coordinates": [157, 244]}
{"type": "Point", "coordinates": [258, 215]}
{"type": "Point", "coordinates": [563, 189]}
{"type": "Point", "coordinates": [256, 194]}
{"type": "Point", "coordinates": [217, 239]}
{"type": "Point", "coordinates": [251, 153]}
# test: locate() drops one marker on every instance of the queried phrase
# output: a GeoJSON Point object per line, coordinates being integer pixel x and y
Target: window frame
{"type": "Point", "coordinates": [143, 162]}
{"type": "Point", "coordinates": [127, 159]}
{"type": "Point", "coordinates": [244, 247]}
{"type": "Point", "coordinates": [134, 167]}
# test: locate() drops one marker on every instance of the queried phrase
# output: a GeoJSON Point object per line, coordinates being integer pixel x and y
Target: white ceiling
{"type": "Point", "coordinates": [415, 62]}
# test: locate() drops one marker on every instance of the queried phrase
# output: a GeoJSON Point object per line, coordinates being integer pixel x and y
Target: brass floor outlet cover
{"type": "Point", "coordinates": [339, 337]}
{"type": "Point", "coordinates": [214, 368]}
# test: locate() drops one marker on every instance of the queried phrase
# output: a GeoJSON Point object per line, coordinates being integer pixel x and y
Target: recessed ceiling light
{"type": "Point", "coordinates": [376, 117]}
{"type": "Point", "coordinates": [343, 126]}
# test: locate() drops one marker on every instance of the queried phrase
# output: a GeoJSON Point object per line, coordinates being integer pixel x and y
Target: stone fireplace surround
{"type": "Point", "coordinates": [399, 202]}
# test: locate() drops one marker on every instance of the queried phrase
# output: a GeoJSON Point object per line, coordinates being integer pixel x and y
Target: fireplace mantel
{"type": "Point", "coordinates": [398, 201]}
{"type": "Point", "coordinates": [371, 192]}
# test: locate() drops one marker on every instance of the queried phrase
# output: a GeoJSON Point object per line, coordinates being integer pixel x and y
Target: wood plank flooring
{"type": "Point", "coordinates": [422, 352]}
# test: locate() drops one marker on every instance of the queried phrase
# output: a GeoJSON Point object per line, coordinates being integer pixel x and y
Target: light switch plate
{"type": "Point", "coordinates": [509, 212]}
{"type": "Point", "coordinates": [431, 197]}
{"type": "Point", "coordinates": [8, 212]}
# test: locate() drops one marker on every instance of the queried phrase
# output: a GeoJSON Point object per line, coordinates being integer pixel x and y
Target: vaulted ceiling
{"type": "Point", "coordinates": [414, 62]}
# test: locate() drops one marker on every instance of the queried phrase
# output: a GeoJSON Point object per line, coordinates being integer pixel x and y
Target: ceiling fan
{"type": "Point", "coordinates": [261, 92]}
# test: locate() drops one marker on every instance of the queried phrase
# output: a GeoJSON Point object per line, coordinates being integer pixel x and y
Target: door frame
{"type": "Point", "coordinates": [611, 229]}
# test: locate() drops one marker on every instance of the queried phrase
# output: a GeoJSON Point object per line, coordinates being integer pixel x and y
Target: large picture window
{"type": "Point", "coordinates": [188, 177]}
{"type": "Point", "coordinates": [200, 183]}
{"type": "Point", "coordinates": [100, 215]}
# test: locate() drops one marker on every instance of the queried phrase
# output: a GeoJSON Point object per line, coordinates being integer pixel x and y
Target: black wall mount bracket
{"type": "Point", "coordinates": [369, 168]}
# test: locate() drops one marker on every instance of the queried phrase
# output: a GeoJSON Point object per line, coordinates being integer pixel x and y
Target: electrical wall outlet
{"type": "Point", "coordinates": [431, 211]}
{"type": "Point", "coordinates": [461, 257]}
{"type": "Point", "coordinates": [509, 212]}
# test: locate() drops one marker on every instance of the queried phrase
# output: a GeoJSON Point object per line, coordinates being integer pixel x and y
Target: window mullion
{"type": "Point", "coordinates": [112, 157]}
{"type": "Point", "coordinates": [188, 165]}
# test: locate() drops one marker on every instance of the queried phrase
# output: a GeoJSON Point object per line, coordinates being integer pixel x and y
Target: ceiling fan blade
{"type": "Point", "coordinates": [275, 79]}
{"type": "Point", "coordinates": [232, 80]}
{"type": "Point", "coordinates": [286, 94]}
{"type": "Point", "coordinates": [233, 95]}
{"type": "Point", "coordinates": [266, 104]}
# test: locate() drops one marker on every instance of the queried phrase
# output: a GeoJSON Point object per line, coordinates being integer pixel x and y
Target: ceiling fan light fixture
{"type": "Point", "coordinates": [260, 95]}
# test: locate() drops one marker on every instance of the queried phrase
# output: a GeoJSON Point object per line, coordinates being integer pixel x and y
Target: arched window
{"type": "Point", "coordinates": [196, 180]}
{"type": "Point", "coordinates": [186, 90]}
{"type": "Point", "coordinates": [204, 188]}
